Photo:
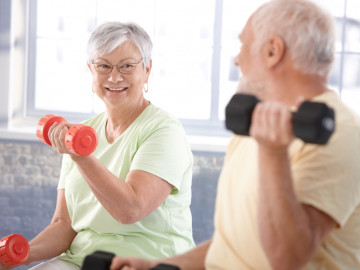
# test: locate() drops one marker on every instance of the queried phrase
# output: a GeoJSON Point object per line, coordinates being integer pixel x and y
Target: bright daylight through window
{"type": "Point", "coordinates": [195, 42]}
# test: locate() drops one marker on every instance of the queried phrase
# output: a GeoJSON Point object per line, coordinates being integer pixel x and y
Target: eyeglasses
{"type": "Point", "coordinates": [104, 67]}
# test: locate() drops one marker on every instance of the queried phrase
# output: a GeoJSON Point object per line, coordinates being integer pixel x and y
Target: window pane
{"type": "Point", "coordinates": [350, 93]}
{"type": "Point", "coordinates": [334, 76]}
{"type": "Point", "coordinates": [334, 7]}
{"type": "Point", "coordinates": [63, 81]}
{"type": "Point", "coordinates": [337, 9]}
{"type": "Point", "coordinates": [236, 14]}
{"type": "Point", "coordinates": [182, 33]}
{"type": "Point", "coordinates": [182, 62]}
{"type": "Point", "coordinates": [352, 9]}
{"type": "Point", "coordinates": [127, 11]}
{"type": "Point", "coordinates": [62, 77]}
{"type": "Point", "coordinates": [352, 41]}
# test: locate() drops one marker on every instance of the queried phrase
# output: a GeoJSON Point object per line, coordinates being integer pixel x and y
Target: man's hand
{"type": "Point", "coordinates": [271, 125]}
{"type": "Point", "coordinates": [129, 263]}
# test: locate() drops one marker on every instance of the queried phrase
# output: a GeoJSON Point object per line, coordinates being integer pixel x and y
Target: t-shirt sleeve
{"type": "Point", "coordinates": [165, 152]}
{"type": "Point", "coordinates": [327, 177]}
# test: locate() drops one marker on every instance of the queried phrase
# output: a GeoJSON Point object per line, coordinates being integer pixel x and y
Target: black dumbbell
{"type": "Point", "coordinates": [313, 122]}
{"type": "Point", "coordinates": [101, 260]}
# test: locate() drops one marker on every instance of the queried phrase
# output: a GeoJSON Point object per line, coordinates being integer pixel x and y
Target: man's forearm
{"type": "Point", "coordinates": [284, 227]}
{"type": "Point", "coordinates": [191, 260]}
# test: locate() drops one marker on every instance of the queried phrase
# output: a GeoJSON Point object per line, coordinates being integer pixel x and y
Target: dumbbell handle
{"type": "Point", "coordinates": [14, 250]}
{"type": "Point", "coordinates": [313, 122]}
{"type": "Point", "coordinates": [79, 139]}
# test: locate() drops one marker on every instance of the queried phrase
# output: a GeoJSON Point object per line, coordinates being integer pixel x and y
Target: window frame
{"type": "Point", "coordinates": [17, 107]}
{"type": "Point", "coordinates": [212, 126]}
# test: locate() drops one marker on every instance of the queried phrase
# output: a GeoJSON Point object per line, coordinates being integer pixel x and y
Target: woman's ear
{"type": "Point", "coordinates": [148, 69]}
{"type": "Point", "coordinates": [274, 51]}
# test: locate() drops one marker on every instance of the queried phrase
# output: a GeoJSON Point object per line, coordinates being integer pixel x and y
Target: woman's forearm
{"type": "Point", "coordinates": [51, 242]}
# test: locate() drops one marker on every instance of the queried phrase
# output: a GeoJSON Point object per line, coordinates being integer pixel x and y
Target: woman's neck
{"type": "Point", "coordinates": [119, 120]}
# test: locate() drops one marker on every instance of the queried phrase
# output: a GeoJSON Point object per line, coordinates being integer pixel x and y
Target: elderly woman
{"type": "Point", "coordinates": [132, 195]}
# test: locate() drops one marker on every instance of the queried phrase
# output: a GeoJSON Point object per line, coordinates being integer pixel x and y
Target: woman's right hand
{"type": "Point", "coordinates": [4, 267]}
{"type": "Point", "coordinates": [57, 134]}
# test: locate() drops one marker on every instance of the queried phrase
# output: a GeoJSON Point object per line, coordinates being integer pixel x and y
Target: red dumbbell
{"type": "Point", "coordinates": [14, 250]}
{"type": "Point", "coordinates": [79, 139]}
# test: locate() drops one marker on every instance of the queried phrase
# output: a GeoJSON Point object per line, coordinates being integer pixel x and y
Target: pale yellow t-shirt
{"type": "Point", "coordinates": [326, 177]}
{"type": "Point", "coordinates": [156, 143]}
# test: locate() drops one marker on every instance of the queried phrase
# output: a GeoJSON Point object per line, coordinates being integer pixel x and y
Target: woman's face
{"type": "Point", "coordinates": [116, 89]}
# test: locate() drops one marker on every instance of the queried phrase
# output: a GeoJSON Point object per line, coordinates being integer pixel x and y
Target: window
{"type": "Point", "coordinates": [195, 42]}
{"type": "Point", "coordinates": [182, 76]}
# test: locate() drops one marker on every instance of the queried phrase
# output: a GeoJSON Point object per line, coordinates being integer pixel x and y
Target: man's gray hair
{"type": "Point", "coordinates": [108, 36]}
{"type": "Point", "coordinates": [307, 30]}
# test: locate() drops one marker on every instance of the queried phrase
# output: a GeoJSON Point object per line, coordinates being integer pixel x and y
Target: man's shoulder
{"type": "Point", "coordinates": [345, 117]}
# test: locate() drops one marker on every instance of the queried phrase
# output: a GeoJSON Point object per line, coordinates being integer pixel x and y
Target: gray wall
{"type": "Point", "coordinates": [28, 178]}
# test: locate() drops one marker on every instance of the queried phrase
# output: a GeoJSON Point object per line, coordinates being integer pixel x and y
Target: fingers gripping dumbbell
{"type": "Point", "coordinates": [101, 260]}
{"type": "Point", "coordinates": [14, 250]}
{"type": "Point", "coordinates": [313, 122]}
{"type": "Point", "coordinates": [79, 139]}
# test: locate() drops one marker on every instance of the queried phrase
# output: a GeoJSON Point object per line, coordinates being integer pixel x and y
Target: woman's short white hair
{"type": "Point", "coordinates": [307, 30]}
{"type": "Point", "coordinates": [108, 36]}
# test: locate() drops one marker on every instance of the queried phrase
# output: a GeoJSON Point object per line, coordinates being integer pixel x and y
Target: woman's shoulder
{"type": "Point", "coordinates": [96, 120]}
{"type": "Point", "coordinates": [154, 114]}
{"type": "Point", "coordinates": [155, 120]}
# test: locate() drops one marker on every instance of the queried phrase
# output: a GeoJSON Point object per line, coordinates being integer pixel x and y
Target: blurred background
{"type": "Point", "coordinates": [43, 71]}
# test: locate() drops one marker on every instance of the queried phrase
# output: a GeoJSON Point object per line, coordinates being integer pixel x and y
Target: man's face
{"type": "Point", "coordinates": [250, 64]}
{"type": "Point", "coordinates": [244, 59]}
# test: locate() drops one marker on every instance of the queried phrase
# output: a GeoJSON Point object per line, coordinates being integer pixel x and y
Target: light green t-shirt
{"type": "Point", "coordinates": [156, 143]}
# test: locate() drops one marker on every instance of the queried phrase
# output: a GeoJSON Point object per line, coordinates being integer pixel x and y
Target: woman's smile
{"type": "Point", "coordinates": [116, 89]}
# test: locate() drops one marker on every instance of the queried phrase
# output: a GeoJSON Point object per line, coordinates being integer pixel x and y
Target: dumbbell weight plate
{"type": "Point", "coordinates": [314, 122]}
{"type": "Point", "coordinates": [239, 112]}
{"type": "Point", "coordinates": [81, 140]}
{"type": "Point", "coordinates": [44, 125]}
{"type": "Point", "coordinates": [14, 250]}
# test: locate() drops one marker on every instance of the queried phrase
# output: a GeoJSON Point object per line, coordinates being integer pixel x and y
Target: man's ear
{"type": "Point", "coordinates": [274, 50]}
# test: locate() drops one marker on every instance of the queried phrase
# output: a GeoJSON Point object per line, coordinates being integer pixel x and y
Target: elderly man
{"type": "Point", "coordinates": [283, 203]}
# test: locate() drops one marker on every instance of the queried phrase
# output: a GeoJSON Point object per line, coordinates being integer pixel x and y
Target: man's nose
{"type": "Point", "coordinates": [236, 60]}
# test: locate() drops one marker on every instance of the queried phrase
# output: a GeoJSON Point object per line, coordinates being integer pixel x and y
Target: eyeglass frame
{"type": "Point", "coordinates": [118, 67]}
